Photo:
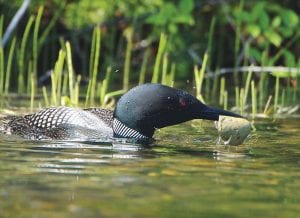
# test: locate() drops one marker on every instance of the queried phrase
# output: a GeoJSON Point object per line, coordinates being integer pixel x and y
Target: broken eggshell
{"type": "Point", "coordinates": [233, 130]}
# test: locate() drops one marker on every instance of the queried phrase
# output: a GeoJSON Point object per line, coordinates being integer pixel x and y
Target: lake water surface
{"type": "Point", "coordinates": [183, 174]}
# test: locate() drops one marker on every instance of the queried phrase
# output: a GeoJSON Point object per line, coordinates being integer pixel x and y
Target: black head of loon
{"type": "Point", "coordinates": [151, 106]}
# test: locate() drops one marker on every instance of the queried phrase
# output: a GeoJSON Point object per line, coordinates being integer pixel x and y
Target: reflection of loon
{"type": "Point", "coordinates": [137, 114]}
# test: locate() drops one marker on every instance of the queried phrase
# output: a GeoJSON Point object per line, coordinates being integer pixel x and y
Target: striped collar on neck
{"type": "Point", "coordinates": [122, 131]}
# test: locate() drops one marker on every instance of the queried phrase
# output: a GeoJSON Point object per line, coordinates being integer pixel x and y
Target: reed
{"type": "Point", "coordinates": [254, 99]}
{"type": "Point", "coordinates": [92, 54]}
{"type": "Point", "coordinates": [70, 72]}
{"type": "Point", "coordinates": [97, 42]}
{"type": "Point", "coordinates": [171, 77]}
{"type": "Point", "coordinates": [222, 90]}
{"type": "Point", "coordinates": [209, 53]}
{"type": "Point", "coordinates": [104, 87]}
{"type": "Point", "coordinates": [237, 96]}
{"type": "Point", "coordinates": [128, 35]}
{"type": "Point", "coordinates": [87, 95]}
{"type": "Point", "coordinates": [168, 76]}
{"type": "Point", "coordinates": [242, 99]}
{"type": "Point", "coordinates": [159, 55]}
{"type": "Point", "coordinates": [262, 81]}
{"type": "Point", "coordinates": [199, 77]}
{"type": "Point", "coordinates": [113, 94]}
{"type": "Point", "coordinates": [144, 66]}
{"type": "Point", "coordinates": [21, 61]}
{"type": "Point", "coordinates": [64, 89]}
{"type": "Point", "coordinates": [247, 87]}
{"type": "Point", "coordinates": [32, 96]}
{"type": "Point", "coordinates": [296, 86]}
{"type": "Point", "coordinates": [76, 91]}
{"type": "Point", "coordinates": [8, 67]}
{"type": "Point", "coordinates": [56, 79]}
{"type": "Point", "coordinates": [35, 50]}
{"type": "Point", "coordinates": [276, 94]}
{"type": "Point", "coordinates": [225, 100]}
{"type": "Point", "coordinates": [94, 62]}
{"type": "Point", "coordinates": [164, 69]}
{"type": "Point", "coordinates": [29, 72]}
{"type": "Point", "coordinates": [45, 96]}
{"type": "Point", "coordinates": [266, 109]}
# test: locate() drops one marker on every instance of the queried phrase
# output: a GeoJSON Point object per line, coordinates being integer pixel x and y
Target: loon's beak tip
{"type": "Point", "coordinates": [210, 113]}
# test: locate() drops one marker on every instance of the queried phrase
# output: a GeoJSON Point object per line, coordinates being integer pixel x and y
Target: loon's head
{"type": "Point", "coordinates": [151, 106]}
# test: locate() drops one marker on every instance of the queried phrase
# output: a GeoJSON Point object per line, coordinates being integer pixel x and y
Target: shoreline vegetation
{"type": "Point", "coordinates": [260, 89]}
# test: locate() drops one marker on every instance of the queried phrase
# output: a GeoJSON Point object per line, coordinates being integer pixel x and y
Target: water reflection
{"type": "Point", "coordinates": [73, 157]}
{"type": "Point", "coordinates": [183, 170]}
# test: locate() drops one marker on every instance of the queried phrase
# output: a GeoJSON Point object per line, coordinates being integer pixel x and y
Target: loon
{"type": "Point", "coordinates": [137, 115]}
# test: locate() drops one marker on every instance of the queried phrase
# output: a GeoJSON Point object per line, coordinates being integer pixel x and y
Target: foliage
{"type": "Point", "coordinates": [268, 24]}
{"type": "Point", "coordinates": [143, 41]}
{"type": "Point", "coordinates": [169, 16]}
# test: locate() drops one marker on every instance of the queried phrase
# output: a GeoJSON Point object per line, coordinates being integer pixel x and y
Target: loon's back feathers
{"type": "Point", "coordinates": [60, 123]}
{"type": "Point", "coordinates": [104, 114]}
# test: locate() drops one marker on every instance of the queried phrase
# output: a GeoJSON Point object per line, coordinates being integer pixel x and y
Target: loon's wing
{"type": "Point", "coordinates": [104, 114]}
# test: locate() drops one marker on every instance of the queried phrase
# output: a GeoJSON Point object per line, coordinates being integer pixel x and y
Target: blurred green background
{"type": "Point", "coordinates": [234, 33]}
{"type": "Point", "coordinates": [264, 24]}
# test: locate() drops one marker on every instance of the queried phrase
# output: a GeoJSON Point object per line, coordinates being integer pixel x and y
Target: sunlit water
{"type": "Point", "coordinates": [183, 174]}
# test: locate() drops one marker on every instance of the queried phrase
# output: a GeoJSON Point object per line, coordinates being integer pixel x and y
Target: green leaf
{"type": "Point", "coordinates": [289, 58]}
{"type": "Point", "coordinates": [184, 19]}
{"type": "Point", "coordinates": [276, 22]}
{"type": "Point", "coordinates": [172, 28]}
{"type": "Point", "coordinates": [257, 10]}
{"type": "Point", "coordinates": [253, 52]}
{"type": "Point", "coordinates": [286, 31]}
{"type": "Point", "coordinates": [264, 20]}
{"type": "Point", "coordinates": [254, 30]}
{"type": "Point", "coordinates": [273, 37]}
{"type": "Point", "coordinates": [156, 19]}
{"type": "Point", "coordinates": [290, 18]}
{"type": "Point", "coordinates": [186, 6]}
{"type": "Point", "coordinates": [244, 16]}
{"type": "Point", "coordinates": [165, 15]}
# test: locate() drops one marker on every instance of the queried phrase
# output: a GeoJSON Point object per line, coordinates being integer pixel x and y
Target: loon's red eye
{"type": "Point", "coordinates": [183, 103]}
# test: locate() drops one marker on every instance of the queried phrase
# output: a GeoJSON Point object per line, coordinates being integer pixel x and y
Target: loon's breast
{"type": "Point", "coordinates": [62, 123]}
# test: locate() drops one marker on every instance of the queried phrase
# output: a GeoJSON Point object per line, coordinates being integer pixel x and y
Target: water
{"type": "Point", "coordinates": [184, 174]}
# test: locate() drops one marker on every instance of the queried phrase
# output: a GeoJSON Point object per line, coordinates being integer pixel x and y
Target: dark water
{"type": "Point", "coordinates": [184, 174]}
